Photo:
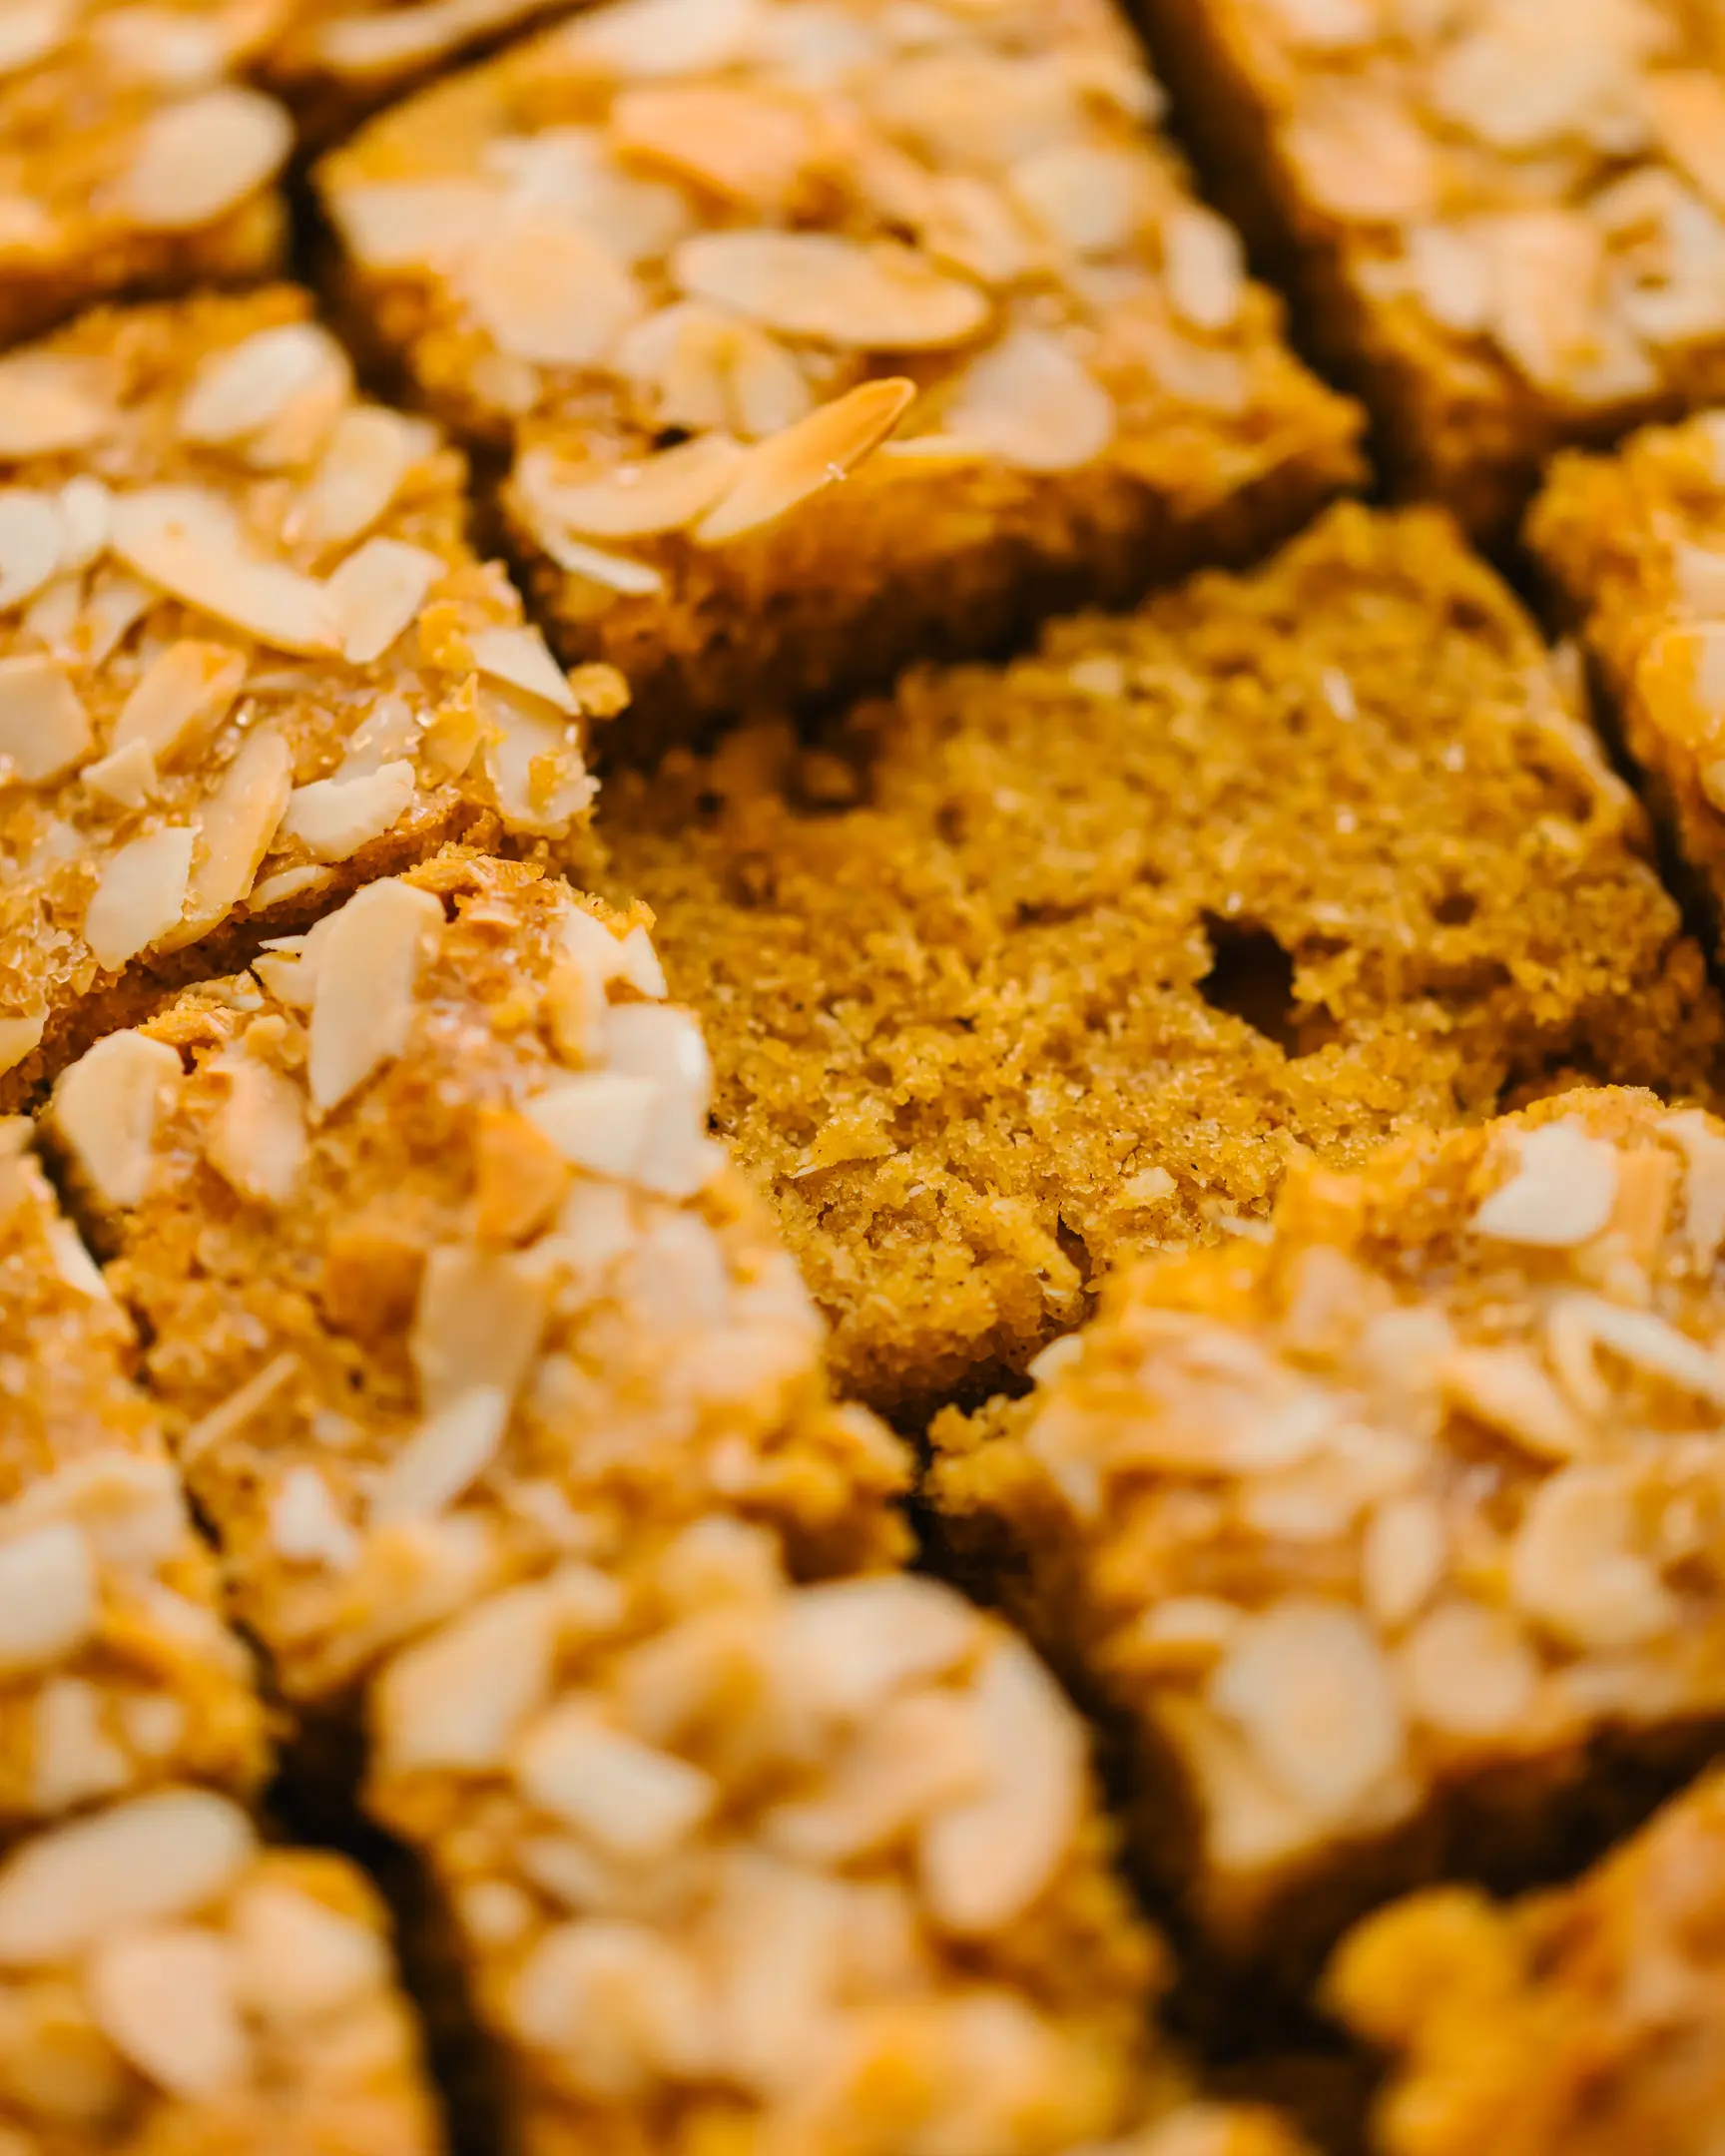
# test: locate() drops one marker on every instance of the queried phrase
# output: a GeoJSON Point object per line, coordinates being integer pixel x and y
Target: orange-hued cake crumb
{"type": "Point", "coordinates": [117, 1672]}
{"type": "Point", "coordinates": [1635, 547]}
{"type": "Point", "coordinates": [1505, 218]}
{"type": "Point", "coordinates": [248, 659]}
{"type": "Point", "coordinates": [170, 1987]}
{"type": "Point", "coordinates": [1584, 2022]}
{"type": "Point", "coordinates": [443, 1278]}
{"type": "Point", "coordinates": [1391, 1539]}
{"type": "Point", "coordinates": [737, 1864]}
{"type": "Point", "coordinates": [695, 260]}
{"type": "Point", "coordinates": [1030, 969]}
{"type": "Point", "coordinates": [132, 156]}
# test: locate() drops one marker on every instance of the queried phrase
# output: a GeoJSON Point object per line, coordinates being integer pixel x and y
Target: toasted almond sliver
{"type": "Point", "coordinates": [520, 658]}
{"type": "Point", "coordinates": [20, 1036]}
{"type": "Point", "coordinates": [44, 728]}
{"type": "Point", "coordinates": [182, 697]}
{"type": "Point", "coordinates": [258, 1141]}
{"type": "Point", "coordinates": [236, 826]}
{"type": "Point", "coordinates": [778, 474]}
{"type": "Point", "coordinates": [241, 389]}
{"type": "Point", "coordinates": [127, 775]}
{"type": "Point", "coordinates": [371, 452]}
{"type": "Point", "coordinates": [86, 509]}
{"type": "Point", "coordinates": [189, 541]}
{"type": "Point", "coordinates": [47, 405]}
{"type": "Point", "coordinates": [141, 895]}
{"type": "Point", "coordinates": [536, 771]}
{"type": "Point", "coordinates": [104, 1111]}
{"type": "Point", "coordinates": [1561, 1194]}
{"type": "Point", "coordinates": [1204, 267]}
{"type": "Point", "coordinates": [32, 535]}
{"type": "Point", "coordinates": [640, 39]}
{"type": "Point", "coordinates": [333, 818]}
{"type": "Point", "coordinates": [597, 1120]}
{"type": "Point", "coordinates": [1035, 403]}
{"type": "Point", "coordinates": [165, 1999]}
{"type": "Point", "coordinates": [444, 1458]}
{"type": "Point", "coordinates": [368, 960]}
{"type": "Point", "coordinates": [242, 1406]}
{"type": "Point", "coordinates": [32, 29]}
{"type": "Point", "coordinates": [662, 493]}
{"type": "Point", "coordinates": [376, 595]}
{"type": "Point", "coordinates": [884, 298]}
{"type": "Point", "coordinates": [401, 224]}
{"type": "Point", "coordinates": [201, 158]}
{"type": "Point", "coordinates": [546, 291]}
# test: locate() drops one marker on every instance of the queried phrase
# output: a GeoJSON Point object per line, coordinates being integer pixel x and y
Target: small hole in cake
{"type": "Point", "coordinates": [1252, 978]}
{"type": "Point", "coordinates": [1454, 909]}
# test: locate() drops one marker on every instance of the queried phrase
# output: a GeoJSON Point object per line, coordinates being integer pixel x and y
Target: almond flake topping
{"type": "Point", "coordinates": [243, 388]}
{"type": "Point", "coordinates": [105, 1107]}
{"type": "Point", "coordinates": [333, 818]}
{"type": "Point", "coordinates": [259, 1142]}
{"type": "Point", "coordinates": [48, 1597]}
{"type": "Point", "coordinates": [1561, 1193]}
{"type": "Point", "coordinates": [778, 474]}
{"type": "Point", "coordinates": [519, 657]}
{"type": "Point", "coordinates": [397, 223]}
{"type": "Point", "coordinates": [662, 493]}
{"type": "Point", "coordinates": [1703, 1146]}
{"type": "Point", "coordinates": [444, 1458]}
{"type": "Point", "coordinates": [369, 958]}
{"type": "Point", "coordinates": [47, 405]}
{"type": "Point", "coordinates": [641, 39]}
{"type": "Point", "coordinates": [1031, 401]}
{"type": "Point", "coordinates": [32, 536]}
{"type": "Point", "coordinates": [159, 1857]}
{"type": "Point", "coordinates": [44, 728]}
{"type": "Point", "coordinates": [884, 298]}
{"type": "Point", "coordinates": [141, 895]}
{"type": "Point", "coordinates": [19, 1037]}
{"type": "Point", "coordinates": [189, 541]}
{"type": "Point", "coordinates": [1573, 1569]}
{"type": "Point", "coordinates": [235, 827]}
{"type": "Point", "coordinates": [180, 699]}
{"type": "Point", "coordinates": [369, 454]}
{"type": "Point", "coordinates": [637, 1803]}
{"type": "Point", "coordinates": [198, 160]}
{"type": "Point", "coordinates": [164, 1997]}
{"type": "Point", "coordinates": [376, 595]}
{"type": "Point", "coordinates": [549, 292]}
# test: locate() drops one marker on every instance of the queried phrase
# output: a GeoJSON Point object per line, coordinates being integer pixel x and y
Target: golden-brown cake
{"type": "Point", "coordinates": [248, 659]}
{"type": "Point", "coordinates": [698, 259]}
{"type": "Point", "coordinates": [442, 1278]}
{"type": "Point", "coordinates": [1030, 969]}
{"type": "Point", "coordinates": [1388, 1539]}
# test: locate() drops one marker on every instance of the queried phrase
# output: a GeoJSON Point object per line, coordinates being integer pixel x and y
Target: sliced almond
{"type": "Point", "coordinates": [737, 141]}
{"type": "Point", "coordinates": [369, 454]}
{"type": "Point", "coordinates": [1703, 1147]}
{"type": "Point", "coordinates": [378, 592]}
{"type": "Point", "coordinates": [1033, 402]}
{"type": "Point", "coordinates": [609, 572]}
{"type": "Point", "coordinates": [476, 1325]}
{"type": "Point", "coordinates": [778, 475]}
{"type": "Point", "coordinates": [301, 1962]}
{"type": "Point", "coordinates": [1506, 1391]}
{"type": "Point", "coordinates": [638, 40]}
{"type": "Point", "coordinates": [229, 1417]}
{"type": "Point", "coordinates": [163, 1856]}
{"type": "Point", "coordinates": [367, 961]}
{"type": "Point", "coordinates": [884, 298]}
{"type": "Point", "coordinates": [444, 1458]}
{"type": "Point", "coordinates": [44, 728]}
{"type": "Point", "coordinates": [235, 827]}
{"type": "Point", "coordinates": [597, 1120]}
{"type": "Point", "coordinates": [333, 818]}
{"type": "Point", "coordinates": [165, 1999]}
{"type": "Point", "coordinates": [180, 699]}
{"type": "Point", "coordinates": [86, 512]}
{"type": "Point", "coordinates": [662, 493]}
{"type": "Point", "coordinates": [140, 896]}
{"type": "Point", "coordinates": [49, 405]}
{"type": "Point", "coordinates": [241, 389]}
{"type": "Point", "coordinates": [640, 1804]}
{"type": "Point", "coordinates": [1574, 1571]}
{"type": "Point", "coordinates": [409, 224]}
{"type": "Point", "coordinates": [117, 602]}
{"type": "Point", "coordinates": [984, 1862]}
{"type": "Point", "coordinates": [1561, 1193]}
{"type": "Point", "coordinates": [49, 1597]}
{"type": "Point", "coordinates": [520, 658]}
{"type": "Point", "coordinates": [534, 764]}
{"type": "Point", "coordinates": [189, 541]}
{"type": "Point", "coordinates": [257, 1142]}
{"type": "Point", "coordinates": [105, 1107]}
{"type": "Point", "coordinates": [1468, 1671]}
{"type": "Point", "coordinates": [20, 1036]}
{"type": "Point", "coordinates": [30, 30]}
{"type": "Point", "coordinates": [1687, 109]}
{"type": "Point", "coordinates": [1089, 196]}
{"type": "Point", "coordinates": [549, 292]}
{"type": "Point", "coordinates": [32, 535]}
{"type": "Point", "coordinates": [200, 159]}
{"type": "Point", "coordinates": [1203, 268]}
{"type": "Point", "coordinates": [1644, 1341]}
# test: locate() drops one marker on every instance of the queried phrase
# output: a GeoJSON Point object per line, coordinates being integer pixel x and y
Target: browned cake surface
{"type": "Point", "coordinates": [680, 252]}
{"type": "Point", "coordinates": [951, 964]}
{"type": "Point", "coordinates": [745, 1865]}
{"type": "Point", "coordinates": [1385, 1535]}
{"type": "Point", "coordinates": [1586, 2022]}
{"type": "Point", "coordinates": [247, 658]}
{"type": "Point", "coordinates": [168, 1988]}
{"type": "Point", "coordinates": [131, 158]}
{"type": "Point", "coordinates": [1635, 547]}
{"type": "Point", "coordinates": [1509, 216]}
{"type": "Point", "coordinates": [442, 1277]}
{"type": "Point", "coordinates": [116, 1669]}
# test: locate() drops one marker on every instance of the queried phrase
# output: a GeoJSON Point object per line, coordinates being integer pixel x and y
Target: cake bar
{"type": "Point", "coordinates": [444, 1280]}
{"type": "Point", "coordinates": [697, 260]}
{"type": "Point", "coordinates": [1030, 969]}
{"type": "Point", "coordinates": [248, 659]}
{"type": "Point", "coordinates": [1505, 218]}
{"type": "Point", "coordinates": [1389, 1541]}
